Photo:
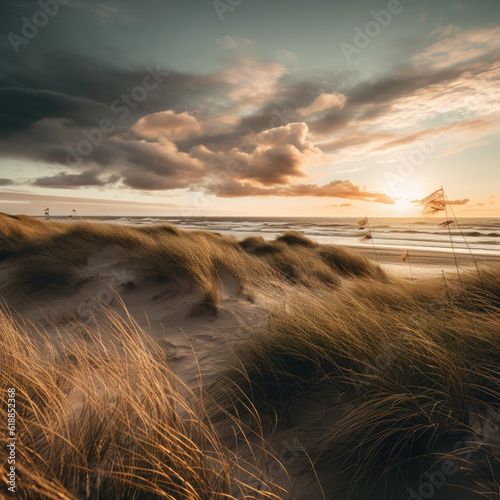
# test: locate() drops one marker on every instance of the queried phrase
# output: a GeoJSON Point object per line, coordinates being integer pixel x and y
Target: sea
{"type": "Point", "coordinates": [481, 235]}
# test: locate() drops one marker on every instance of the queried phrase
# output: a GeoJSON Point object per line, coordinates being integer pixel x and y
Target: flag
{"type": "Point", "coordinates": [434, 203]}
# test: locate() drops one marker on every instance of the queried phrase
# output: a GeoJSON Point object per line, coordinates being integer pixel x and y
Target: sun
{"type": "Point", "coordinates": [407, 193]}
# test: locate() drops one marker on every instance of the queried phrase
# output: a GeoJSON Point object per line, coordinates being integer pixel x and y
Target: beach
{"type": "Point", "coordinates": [424, 262]}
{"type": "Point", "coordinates": [272, 358]}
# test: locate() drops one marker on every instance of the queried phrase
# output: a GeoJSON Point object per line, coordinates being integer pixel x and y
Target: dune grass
{"type": "Point", "coordinates": [301, 260]}
{"type": "Point", "coordinates": [411, 369]}
{"type": "Point", "coordinates": [110, 421]}
{"type": "Point", "coordinates": [47, 257]}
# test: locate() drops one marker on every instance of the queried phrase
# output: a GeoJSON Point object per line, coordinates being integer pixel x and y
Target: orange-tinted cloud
{"type": "Point", "coordinates": [334, 189]}
{"type": "Point", "coordinates": [458, 202]}
{"type": "Point", "coordinates": [168, 124]}
{"type": "Point", "coordinates": [324, 102]}
{"type": "Point", "coordinates": [342, 205]}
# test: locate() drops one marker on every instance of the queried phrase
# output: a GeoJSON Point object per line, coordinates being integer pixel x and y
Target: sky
{"type": "Point", "coordinates": [249, 107]}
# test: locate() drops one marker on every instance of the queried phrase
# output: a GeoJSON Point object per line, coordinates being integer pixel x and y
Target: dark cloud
{"type": "Point", "coordinates": [6, 182]}
{"type": "Point", "coordinates": [332, 122]}
{"type": "Point", "coordinates": [150, 181]}
{"type": "Point", "coordinates": [24, 102]}
{"type": "Point", "coordinates": [274, 157]}
{"type": "Point", "coordinates": [65, 180]}
{"type": "Point", "coordinates": [21, 108]}
{"type": "Point", "coordinates": [154, 166]}
{"type": "Point", "coordinates": [404, 83]}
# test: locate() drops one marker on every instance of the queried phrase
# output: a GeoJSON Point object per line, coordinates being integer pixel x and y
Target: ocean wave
{"type": "Point", "coordinates": [409, 231]}
{"type": "Point", "coordinates": [475, 234]}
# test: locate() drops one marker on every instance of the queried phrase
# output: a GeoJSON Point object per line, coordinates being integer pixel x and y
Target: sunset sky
{"type": "Point", "coordinates": [249, 107]}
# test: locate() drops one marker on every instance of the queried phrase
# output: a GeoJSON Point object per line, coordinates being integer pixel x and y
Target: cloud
{"type": "Point", "coordinates": [136, 178]}
{"type": "Point", "coordinates": [41, 201]}
{"type": "Point", "coordinates": [21, 108]}
{"type": "Point", "coordinates": [180, 149]}
{"type": "Point", "coordinates": [334, 189]}
{"type": "Point", "coordinates": [252, 82]}
{"type": "Point", "coordinates": [394, 112]}
{"type": "Point", "coordinates": [65, 180]}
{"type": "Point", "coordinates": [343, 205]}
{"type": "Point", "coordinates": [229, 42]}
{"type": "Point", "coordinates": [177, 127]}
{"type": "Point", "coordinates": [157, 166]}
{"type": "Point", "coordinates": [168, 124]}
{"type": "Point", "coordinates": [251, 120]}
{"type": "Point", "coordinates": [6, 182]}
{"type": "Point", "coordinates": [453, 46]}
{"type": "Point", "coordinates": [458, 202]}
{"type": "Point", "coordinates": [323, 103]}
{"type": "Point", "coordinates": [448, 202]}
{"type": "Point", "coordinates": [276, 156]}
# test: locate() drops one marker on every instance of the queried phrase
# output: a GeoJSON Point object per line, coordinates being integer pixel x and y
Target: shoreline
{"type": "Point", "coordinates": [413, 234]}
{"type": "Point", "coordinates": [423, 262]}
